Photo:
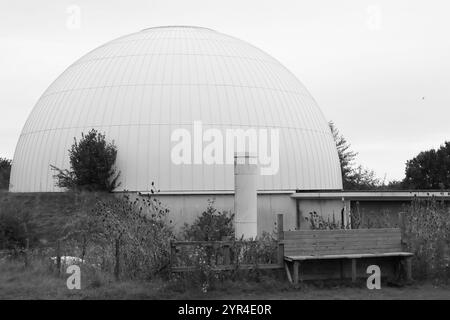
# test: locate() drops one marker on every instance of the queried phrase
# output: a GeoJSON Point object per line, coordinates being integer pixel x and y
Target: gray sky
{"type": "Point", "coordinates": [379, 69]}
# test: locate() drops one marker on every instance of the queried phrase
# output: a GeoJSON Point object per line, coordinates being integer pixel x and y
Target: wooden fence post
{"type": "Point", "coordinates": [226, 254]}
{"type": "Point", "coordinates": [401, 225]}
{"type": "Point", "coordinates": [280, 238]}
{"type": "Point", "coordinates": [117, 260]}
{"type": "Point", "coordinates": [173, 254]}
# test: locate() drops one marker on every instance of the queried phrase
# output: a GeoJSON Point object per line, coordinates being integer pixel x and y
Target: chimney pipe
{"type": "Point", "coordinates": [245, 195]}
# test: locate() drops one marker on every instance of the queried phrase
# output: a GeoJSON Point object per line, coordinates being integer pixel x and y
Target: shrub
{"type": "Point", "coordinates": [140, 225]}
{"type": "Point", "coordinates": [211, 225]}
{"type": "Point", "coordinates": [17, 230]}
{"type": "Point", "coordinates": [92, 162]}
{"type": "Point", "coordinates": [5, 172]}
{"type": "Point", "coordinates": [427, 231]}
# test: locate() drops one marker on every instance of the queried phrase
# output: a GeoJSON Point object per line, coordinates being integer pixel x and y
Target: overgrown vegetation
{"type": "Point", "coordinates": [317, 222]}
{"type": "Point", "coordinates": [123, 235]}
{"type": "Point", "coordinates": [5, 172]}
{"type": "Point", "coordinates": [206, 261]}
{"type": "Point", "coordinates": [427, 230]}
{"type": "Point", "coordinates": [92, 165]}
{"type": "Point", "coordinates": [211, 225]}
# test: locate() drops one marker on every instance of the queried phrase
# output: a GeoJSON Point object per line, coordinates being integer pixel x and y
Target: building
{"type": "Point", "coordinates": [140, 88]}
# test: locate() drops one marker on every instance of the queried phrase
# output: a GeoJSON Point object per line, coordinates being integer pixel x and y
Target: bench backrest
{"type": "Point", "coordinates": [331, 242]}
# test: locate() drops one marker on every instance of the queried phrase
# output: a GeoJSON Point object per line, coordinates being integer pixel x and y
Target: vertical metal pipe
{"type": "Point", "coordinates": [245, 195]}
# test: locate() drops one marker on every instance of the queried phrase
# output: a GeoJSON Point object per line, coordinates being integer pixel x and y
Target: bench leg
{"type": "Point", "coordinates": [341, 269]}
{"type": "Point", "coordinates": [353, 270]}
{"type": "Point", "coordinates": [408, 268]}
{"type": "Point", "coordinates": [296, 267]}
{"type": "Point", "coordinates": [288, 272]}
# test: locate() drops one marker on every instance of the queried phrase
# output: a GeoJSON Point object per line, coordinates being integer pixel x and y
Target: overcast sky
{"type": "Point", "coordinates": [379, 69]}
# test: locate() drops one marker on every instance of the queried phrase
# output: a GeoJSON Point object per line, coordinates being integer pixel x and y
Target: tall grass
{"type": "Point", "coordinates": [427, 232]}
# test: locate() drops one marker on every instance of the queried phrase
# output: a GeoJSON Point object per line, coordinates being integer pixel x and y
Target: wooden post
{"type": "Point", "coordinates": [117, 262]}
{"type": "Point", "coordinates": [353, 270]}
{"type": "Point", "coordinates": [288, 273]}
{"type": "Point", "coordinates": [280, 236]}
{"type": "Point", "coordinates": [58, 256]}
{"type": "Point", "coordinates": [296, 267]}
{"type": "Point", "coordinates": [408, 267]}
{"type": "Point", "coordinates": [401, 225]}
{"type": "Point", "coordinates": [173, 254]}
{"type": "Point", "coordinates": [226, 255]}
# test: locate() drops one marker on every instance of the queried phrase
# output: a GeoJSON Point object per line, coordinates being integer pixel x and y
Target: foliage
{"type": "Point", "coordinates": [427, 230]}
{"type": "Point", "coordinates": [353, 177]}
{"type": "Point", "coordinates": [206, 260]}
{"type": "Point", "coordinates": [5, 172]}
{"type": "Point", "coordinates": [429, 169]}
{"type": "Point", "coordinates": [16, 229]}
{"type": "Point", "coordinates": [92, 162]}
{"type": "Point", "coordinates": [211, 225]}
{"type": "Point", "coordinates": [139, 224]}
{"type": "Point", "coordinates": [346, 155]}
{"type": "Point", "coordinates": [317, 222]}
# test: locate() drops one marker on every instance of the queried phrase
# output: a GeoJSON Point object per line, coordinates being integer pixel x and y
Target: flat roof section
{"type": "Point", "coordinates": [372, 195]}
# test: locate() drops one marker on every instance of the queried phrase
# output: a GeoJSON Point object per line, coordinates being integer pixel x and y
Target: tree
{"type": "Point", "coordinates": [353, 177]}
{"type": "Point", "coordinates": [346, 155]}
{"type": "Point", "coordinates": [92, 162]}
{"type": "Point", "coordinates": [5, 172]}
{"type": "Point", "coordinates": [429, 169]}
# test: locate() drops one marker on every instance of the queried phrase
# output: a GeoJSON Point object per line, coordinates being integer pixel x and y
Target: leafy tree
{"type": "Point", "coordinates": [92, 162]}
{"type": "Point", "coordinates": [5, 172]}
{"type": "Point", "coordinates": [429, 169]}
{"type": "Point", "coordinates": [353, 177]}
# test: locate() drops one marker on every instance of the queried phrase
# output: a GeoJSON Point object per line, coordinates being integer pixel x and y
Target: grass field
{"type": "Point", "coordinates": [36, 282]}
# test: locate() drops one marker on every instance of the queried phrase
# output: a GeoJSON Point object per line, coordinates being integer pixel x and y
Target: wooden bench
{"type": "Point", "coordinates": [303, 245]}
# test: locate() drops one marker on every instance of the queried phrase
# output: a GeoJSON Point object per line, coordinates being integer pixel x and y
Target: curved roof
{"type": "Point", "coordinates": [141, 87]}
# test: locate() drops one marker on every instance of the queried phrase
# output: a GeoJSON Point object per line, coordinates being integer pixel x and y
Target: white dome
{"type": "Point", "coordinates": [141, 87]}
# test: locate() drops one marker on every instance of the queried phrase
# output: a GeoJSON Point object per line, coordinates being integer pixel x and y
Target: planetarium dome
{"type": "Point", "coordinates": [139, 88]}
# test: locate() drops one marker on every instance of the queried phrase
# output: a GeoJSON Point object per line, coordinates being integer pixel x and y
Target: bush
{"type": "Point", "coordinates": [17, 230]}
{"type": "Point", "coordinates": [92, 162]}
{"type": "Point", "coordinates": [5, 172]}
{"type": "Point", "coordinates": [140, 225]}
{"type": "Point", "coordinates": [427, 231]}
{"type": "Point", "coordinates": [211, 225]}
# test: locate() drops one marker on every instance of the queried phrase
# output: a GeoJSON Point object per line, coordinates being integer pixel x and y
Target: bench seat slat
{"type": "Point", "coordinates": [318, 243]}
{"type": "Point", "coordinates": [345, 231]}
{"type": "Point", "coordinates": [325, 250]}
{"type": "Point", "coordinates": [348, 256]}
{"type": "Point", "coordinates": [341, 236]}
